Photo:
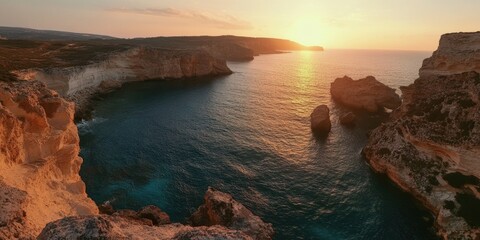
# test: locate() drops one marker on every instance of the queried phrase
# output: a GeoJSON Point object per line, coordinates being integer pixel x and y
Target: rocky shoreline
{"type": "Point", "coordinates": [81, 84]}
{"type": "Point", "coordinates": [42, 193]}
{"type": "Point", "coordinates": [430, 145]}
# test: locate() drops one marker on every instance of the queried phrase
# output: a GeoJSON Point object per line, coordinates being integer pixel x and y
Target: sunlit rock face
{"type": "Point", "coordinates": [221, 209]}
{"type": "Point", "coordinates": [430, 148]}
{"type": "Point", "coordinates": [457, 53]}
{"type": "Point", "coordinates": [366, 94]}
{"type": "Point", "coordinates": [39, 160]}
{"type": "Point", "coordinates": [79, 83]}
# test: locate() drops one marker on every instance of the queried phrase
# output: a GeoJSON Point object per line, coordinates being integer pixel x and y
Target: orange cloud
{"type": "Point", "coordinates": [223, 21]}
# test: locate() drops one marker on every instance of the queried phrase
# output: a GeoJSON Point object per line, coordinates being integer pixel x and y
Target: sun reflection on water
{"type": "Point", "coordinates": [304, 82]}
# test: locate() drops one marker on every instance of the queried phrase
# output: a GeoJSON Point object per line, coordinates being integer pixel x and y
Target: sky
{"type": "Point", "coordinates": [347, 24]}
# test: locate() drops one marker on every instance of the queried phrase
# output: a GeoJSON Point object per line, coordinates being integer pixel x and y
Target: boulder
{"type": "Point", "coordinates": [320, 119]}
{"type": "Point", "coordinates": [155, 214]}
{"type": "Point", "coordinates": [221, 209]}
{"type": "Point", "coordinates": [364, 94]}
{"type": "Point", "coordinates": [112, 227]}
{"type": "Point", "coordinates": [348, 119]}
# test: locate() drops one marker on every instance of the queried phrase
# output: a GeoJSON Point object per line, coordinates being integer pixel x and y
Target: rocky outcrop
{"type": "Point", "coordinates": [320, 120]}
{"type": "Point", "coordinates": [456, 53]}
{"type": "Point", "coordinates": [220, 217]}
{"type": "Point", "coordinates": [118, 227]}
{"type": "Point", "coordinates": [221, 209]}
{"type": "Point", "coordinates": [80, 83]}
{"type": "Point", "coordinates": [364, 94]}
{"type": "Point", "coordinates": [431, 148]}
{"type": "Point", "coordinates": [39, 161]}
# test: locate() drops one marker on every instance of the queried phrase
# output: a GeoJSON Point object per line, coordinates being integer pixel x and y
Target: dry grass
{"type": "Point", "coordinates": [22, 54]}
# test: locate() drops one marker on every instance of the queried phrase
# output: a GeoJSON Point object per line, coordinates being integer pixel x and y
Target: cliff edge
{"type": "Point", "coordinates": [431, 145]}
{"type": "Point", "coordinates": [80, 82]}
{"type": "Point", "coordinates": [456, 53]}
{"type": "Point", "coordinates": [39, 162]}
{"type": "Point", "coordinates": [42, 194]}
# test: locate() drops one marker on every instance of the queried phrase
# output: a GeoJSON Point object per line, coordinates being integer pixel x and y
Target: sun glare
{"type": "Point", "coordinates": [306, 31]}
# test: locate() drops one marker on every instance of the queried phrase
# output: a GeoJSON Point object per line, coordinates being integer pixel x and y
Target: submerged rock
{"type": "Point", "coordinates": [320, 119]}
{"type": "Point", "coordinates": [430, 148]}
{"type": "Point", "coordinates": [364, 94]}
{"type": "Point", "coordinates": [221, 209]}
{"type": "Point", "coordinates": [348, 119]}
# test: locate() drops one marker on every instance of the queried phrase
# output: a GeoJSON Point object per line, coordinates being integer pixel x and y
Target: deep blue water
{"type": "Point", "coordinates": [248, 134]}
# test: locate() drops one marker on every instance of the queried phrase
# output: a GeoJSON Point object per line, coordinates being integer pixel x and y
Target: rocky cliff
{"type": "Point", "coordinates": [456, 53]}
{"type": "Point", "coordinates": [431, 145]}
{"type": "Point", "coordinates": [79, 83]}
{"type": "Point", "coordinates": [39, 161]}
{"type": "Point", "coordinates": [42, 193]}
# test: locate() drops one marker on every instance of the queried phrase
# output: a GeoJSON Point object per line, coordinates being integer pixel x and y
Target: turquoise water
{"type": "Point", "coordinates": [248, 134]}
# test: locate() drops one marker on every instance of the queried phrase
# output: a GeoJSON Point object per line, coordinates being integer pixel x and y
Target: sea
{"type": "Point", "coordinates": [248, 134]}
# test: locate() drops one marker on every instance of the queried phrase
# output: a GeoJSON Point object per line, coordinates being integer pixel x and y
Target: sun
{"type": "Point", "coordinates": [306, 31]}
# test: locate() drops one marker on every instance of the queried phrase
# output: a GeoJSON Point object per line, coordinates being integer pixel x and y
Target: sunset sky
{"type": "Point", "coordinates": [363, 24]}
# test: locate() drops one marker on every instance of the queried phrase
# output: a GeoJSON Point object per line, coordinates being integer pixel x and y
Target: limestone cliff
{"type": "Point", "coordinates": [431, 145]}
{"type": "Point", "coordinates": [39, 161]}
{"type": "Point", "coordinates": [40, 185]}
{"type": "Point", "coordinates": [456, 53]}
{"type": "Point", "coordinates": [79, 83]}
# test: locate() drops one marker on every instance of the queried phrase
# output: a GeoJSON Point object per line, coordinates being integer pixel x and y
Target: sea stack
{"type": "Point", "coordinates": [366, 94]}
{"type": "Point", "coordinates": [320, 120]}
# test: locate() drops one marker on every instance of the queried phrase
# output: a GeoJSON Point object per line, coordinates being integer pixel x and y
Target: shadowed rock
{"type": "Point", "coordinates": [364, 94]}
{"type": "Point", "coordinates": [111, 227]}
{"type": "Point", "coordinates": [221, 209]}
{"type": "Point", "coordinates": [320, 120]}
{"type": "Point", "coordinates": [155, 214]}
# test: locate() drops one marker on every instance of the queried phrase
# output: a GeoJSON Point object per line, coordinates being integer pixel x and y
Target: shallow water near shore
{"type": "Point", "coordinates": [248, 134]}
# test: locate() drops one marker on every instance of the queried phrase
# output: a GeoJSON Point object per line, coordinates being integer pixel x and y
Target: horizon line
{"type": "Point", "coordinates": [325, 48]}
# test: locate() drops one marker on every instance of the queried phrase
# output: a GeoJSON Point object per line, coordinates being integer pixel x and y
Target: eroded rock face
{"type": "Point", "coordinates": [431, 148]}
{"type": "Point", "coordinates": [320, 120]}
{"type": "Point", "coordinates": [364, 94]}
{"type": "Point", "coordinates": [80, 83]}
{"type": "Point", "coordinates": [117, 227]}
{"type": "Point", "coordinates": [39, 160]}
{"type": "Point", "coordinates": [221, 209]}
{"type": "Point", "coordinates": [457, 53]}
